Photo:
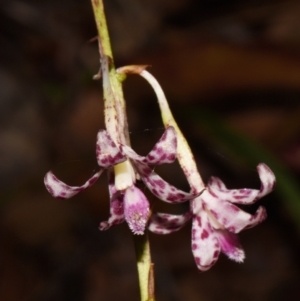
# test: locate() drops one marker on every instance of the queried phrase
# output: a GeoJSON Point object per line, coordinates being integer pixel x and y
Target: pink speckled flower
{"type": "Point", "coordinates": [127, 202]}
{"type": "Point", "coordinates": [216, 220]}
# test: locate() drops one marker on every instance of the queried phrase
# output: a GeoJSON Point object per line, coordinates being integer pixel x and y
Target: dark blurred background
{"type": "Point", "coordinates": [231, 72]}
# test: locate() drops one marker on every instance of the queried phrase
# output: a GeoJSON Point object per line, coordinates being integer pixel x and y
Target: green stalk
{"type": "Point", "coordinates": [116, 124]}
{"type": "Point", "coordinates": [145, 267]}
{"type": "Point", "coordinates": [114, 90]}
{"type": "Point", "coordinates": [103, 35]}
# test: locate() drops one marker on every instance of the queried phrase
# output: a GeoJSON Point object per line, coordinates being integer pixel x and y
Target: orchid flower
{"type": "Point", "coordinates": [127, 202]}
{"type": "Point", "coordinates": [113, 152]}
{"type": "Point", "coordinates": [215, 218]}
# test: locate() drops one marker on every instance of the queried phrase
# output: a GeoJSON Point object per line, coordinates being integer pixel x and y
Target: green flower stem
{"type": "Point", "coordinates": [103, 35]}
{"type": "Point", "coordinates": [145, 267]}
{"type": "Point", "coordinates": [113, 92]}
{"type": "Point", "coordinates": [116, 123]}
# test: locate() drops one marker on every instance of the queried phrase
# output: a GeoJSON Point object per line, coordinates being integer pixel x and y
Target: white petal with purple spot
{"type": "Point", "coordinates": [267, 178]}
{"type": "Point", "coordinates": [107, 152]}
{"type": "Point", "coordinates": [116, 205]}
{"type": "Point", "coordinates": [160, 188]}
{"type": "Point", "coordinates": [230, 216]}
{"type": "Point", "coordinates": [244, 196]}
{"type": "Point", "coordinates": [60, 190]}
{"type": "Point", "coordinates": [164, 151]}
{"type": "Point", "coordinates": [237, 196]}
{"type": "Point", "coordinates": [163, 223]}
{"type": "Point", "coordinates": [205, 245]}
{"type": "Point", "coordinates": [131, 154]}
{"type": "Point", "coordinates": [116, 213]}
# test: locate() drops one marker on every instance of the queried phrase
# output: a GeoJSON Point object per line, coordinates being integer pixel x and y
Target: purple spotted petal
{"type": "Point", "coordinates": [205, 245]}
{"type": "Point", "coordinates": [116, 205]}
{"type": "Point", "coordinates": [267, 178]}
{"type": "Point", "coordinates": [259, 216]}
{"type": "Point", "coordinates": [131, 154]}
{"type": "Point", "coordinates": [238, 196]}
{"type": "Point", "coordinates": [136, 210]}
{"type": "Point", "coordinates": [164, 151]}
{"type": "Point", "coordinates": [162, 223]}
{"type": "Point", "coordinates": [215, 183]}
{"type": "Point", "coordinates": [230, 245]}
{"type": "Point", "coordinates": [116, 213]}
{"type": "Point", "coordinates": [107, 152]}
{"type": "Point", "coordinates": [230, 216]}
{"type": "Point", "coordinates": [244, 196]}
{"type": "Point", "coordinates": [60, 190]}
{"type": "Point", "coordinates": [160, 188]}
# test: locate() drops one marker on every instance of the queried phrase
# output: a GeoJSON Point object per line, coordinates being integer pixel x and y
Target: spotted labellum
{"type": "Point", "coordinates": [127, 202]}
{"type": "Point", "coordinates": [216, 220]}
